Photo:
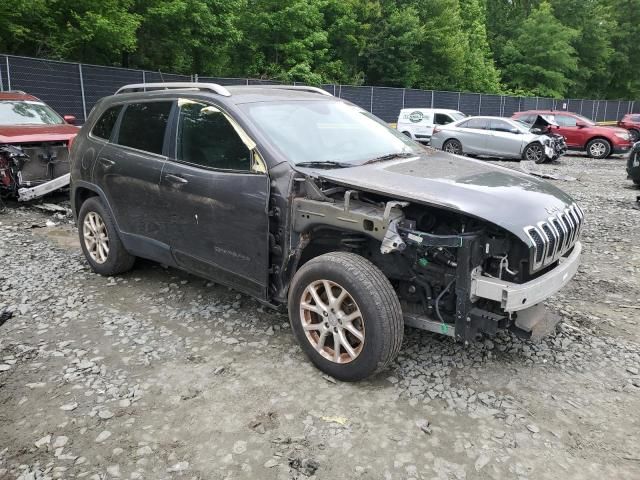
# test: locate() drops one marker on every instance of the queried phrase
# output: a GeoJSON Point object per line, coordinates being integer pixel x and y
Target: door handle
{"type": "Point", "coordinates": [176, 179]}
{"type": "Point", "coordinates": [106, 163]}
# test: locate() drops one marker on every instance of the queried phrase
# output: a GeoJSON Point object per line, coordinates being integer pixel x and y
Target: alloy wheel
{"type": "Point", "coordinates": [332, 321]}
{"type": "Point", "coordinates": [96, 237]}
{"type": "Point", "coordinates": [453, 147]}
{"type": "Point", "coordinates": [597, 149]}
{"type": "Point", "coordinates": [534, 153]}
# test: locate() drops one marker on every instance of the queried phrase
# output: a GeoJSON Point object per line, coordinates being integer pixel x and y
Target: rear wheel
{"type": "Point", "coordinates": [534, 153]}
{"type": "Point", "coordinates": [345, 315]}
{"type": "Point", "coordinates": [598, 148]}
{"type": "Point", "coordinates": [100, 241]}
{"type": "Point", "coordinates": [452, 146]}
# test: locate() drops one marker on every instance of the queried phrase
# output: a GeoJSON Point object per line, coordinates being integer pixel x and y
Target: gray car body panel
{"type": "Point", "coordinates": [504, 197]}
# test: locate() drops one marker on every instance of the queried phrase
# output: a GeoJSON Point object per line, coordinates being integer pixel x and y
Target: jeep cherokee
{"type": "Point", "coordinates": [304, 200]}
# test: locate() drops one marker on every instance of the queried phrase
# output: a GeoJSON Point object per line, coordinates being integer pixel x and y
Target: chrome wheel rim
{"type": "Point", "coordinates": [453, 147]}
{"type": "Point", "coordinates": [598, 149]}
{"type": "Point", "coordinates": [534, 153]}
{"type": "Point", "coordinates": [96, 238]}
{"type": "Point", "coordinates": [634, 135]}
{"type": "Point", "coordinates": [332, 321]}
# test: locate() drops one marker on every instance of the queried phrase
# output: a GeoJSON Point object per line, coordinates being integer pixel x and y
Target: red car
{"type": "Point", "coordinates": [582, 133]}
{"type": "Point", "coordinates": [631, 122]}
{"type": "Point", "coordinates": [34, 146]}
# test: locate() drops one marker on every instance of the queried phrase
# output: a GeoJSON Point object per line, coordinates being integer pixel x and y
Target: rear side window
{"type": "Point", "coordinates": [479, 123]}
{"type": "Point", "coordinates": [207, 139]}
{"type": "Point", "coordinates": [104, 125]}
{"type": "Point", "coordinates": [143, 126]}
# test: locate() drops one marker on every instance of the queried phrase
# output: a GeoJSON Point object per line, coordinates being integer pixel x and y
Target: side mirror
{"type": "Point", "coordinates": [580, 124]}
{"type": "Point", "coordinates": [70, 119]}
{"type": "Point", "coordinates": [514, 130]}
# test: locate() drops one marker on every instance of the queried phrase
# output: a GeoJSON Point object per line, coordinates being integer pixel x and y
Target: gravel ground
{"type": "Point", "coordinates": [158, 374]}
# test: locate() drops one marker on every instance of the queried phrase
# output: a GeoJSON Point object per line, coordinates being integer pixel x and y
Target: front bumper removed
{"type": "Point", "coordinates": [514, 297]}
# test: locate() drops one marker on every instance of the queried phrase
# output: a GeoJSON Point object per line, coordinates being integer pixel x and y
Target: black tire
{"type": "Point", "coordinates": [599, 148]}
{"type": "Point", "coordinates": [635, 135]}
{"type": "Point", "coordinates": [118, 260]}
{"type": "Point", "coordinates": [636, 182]}
{"type": "Point", "coordinates": [371, 292]}
{"type": "Point", "coordinates": [452, 146]}
{"type": "Point", "coordinates": [534, 153]}
{"type": "Point", "coordinates": [407, 134]}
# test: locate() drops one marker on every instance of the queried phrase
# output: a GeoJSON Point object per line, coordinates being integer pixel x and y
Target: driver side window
{"type": "Point", "coordinates": [565, 121]}
{"type": "Point", "coordinates": [207, 139]}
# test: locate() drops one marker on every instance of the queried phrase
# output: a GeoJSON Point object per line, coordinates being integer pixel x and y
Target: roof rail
{"type": "Point", "coordinates": [211, 87]}
{"type": "Point", "coordinates": [303, 88]}
{"type": "Point", "coordinates": [22, 92]}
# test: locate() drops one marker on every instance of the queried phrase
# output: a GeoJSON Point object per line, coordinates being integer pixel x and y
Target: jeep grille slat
{"type": "Point", "coordinates": [553, 237]}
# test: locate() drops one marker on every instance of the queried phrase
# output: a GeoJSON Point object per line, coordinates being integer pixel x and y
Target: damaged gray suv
{"type": "Point", "coordinates": [307, 201]}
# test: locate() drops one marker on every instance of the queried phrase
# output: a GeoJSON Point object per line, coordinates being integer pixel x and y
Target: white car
{"type": "Point", "coordinates": [418, 123]}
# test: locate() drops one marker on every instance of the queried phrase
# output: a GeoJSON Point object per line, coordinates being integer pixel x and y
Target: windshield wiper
{"type": "Point", "coordinates": [390, 156]}
{"type": "Point", "coordinates": [324, 164]}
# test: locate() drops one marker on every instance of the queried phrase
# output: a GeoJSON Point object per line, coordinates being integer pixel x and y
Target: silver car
{"type": "Point", "coordinates": [500, 137]}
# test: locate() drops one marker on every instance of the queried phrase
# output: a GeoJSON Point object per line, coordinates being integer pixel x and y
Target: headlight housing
{"type": "Point", "coordinates": [623, 136]}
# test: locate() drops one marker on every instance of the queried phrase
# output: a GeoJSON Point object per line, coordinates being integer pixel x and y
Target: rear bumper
{"type": "Point", "coordinates": [514, 296]}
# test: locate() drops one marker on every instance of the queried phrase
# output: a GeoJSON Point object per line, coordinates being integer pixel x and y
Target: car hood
{"type": "Point", "coordinates": [504, 197]}
{"type": "Point", "coordinates": [37, 133]}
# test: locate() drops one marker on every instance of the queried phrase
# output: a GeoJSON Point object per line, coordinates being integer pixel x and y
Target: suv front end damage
{"type": "Point", "coordinates": [454, 274]}
{"type": "Point", "coordinates": [32, 170]}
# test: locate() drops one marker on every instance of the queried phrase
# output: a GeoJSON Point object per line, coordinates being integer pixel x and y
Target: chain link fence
{"type": "Point", "coordinates": [74, 88]}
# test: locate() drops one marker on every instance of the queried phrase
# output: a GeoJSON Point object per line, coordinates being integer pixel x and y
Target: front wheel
{"type": "Point", "coordinates": [452, 146]}
{"type": "Point", "coordinates": [598, 148]}
{"type": "Point", "coordinates": [635, 135]}
{"type": "Point", "coordinates": [345, 315]}
{"type": "Point", "coordinates": [535, 153]}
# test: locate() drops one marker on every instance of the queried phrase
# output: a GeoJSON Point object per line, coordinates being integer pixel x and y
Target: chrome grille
{"type": "Point", "coordinates": [553, 237]}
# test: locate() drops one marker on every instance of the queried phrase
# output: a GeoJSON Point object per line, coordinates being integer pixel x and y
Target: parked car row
{"type": "Point", "coordinates": [537, 135]}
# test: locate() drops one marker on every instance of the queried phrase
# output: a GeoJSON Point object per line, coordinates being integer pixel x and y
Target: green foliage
{"type": "Point", "coordinates": [541, 58]}
{"type": "Point", "coordinates": [560, 48]}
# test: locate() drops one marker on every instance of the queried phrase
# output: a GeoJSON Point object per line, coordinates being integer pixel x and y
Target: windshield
{"type": "Point", "coordinates": [327, 131]}
{"type": "Point", "coordinates": [524, 127]}
{"type": "Point", "coordinates": [586, 120]}
{"type": "Point", "coordinates": [27, 113]}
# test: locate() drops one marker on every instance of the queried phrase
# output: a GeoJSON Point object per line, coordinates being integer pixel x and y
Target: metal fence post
{"type": "Point", "coordinates": [618, 111]}
{"type": "Point", "coordinates": [536, 103]}
{"type": "Point", "coordinates": [431, 98]}
{"type": "Point", "coordinates": [371, 102]}
{"type": "Point", "coordinates": [84, 103]}
{"type": "Point", "coordinates": [458, 101]}
{"type": "Point", "coordinates": [404, 91]}
{"type": "Point", "coordinates": [581, 104]}
{"type": "Point", "coordinates": [1, 81]}
{"type": "Point", "coordinates": [480, 104]}
{"type": "Point", "coordinates": [196, 78]}
{"type": "Point", "coordinates": [8, 73]}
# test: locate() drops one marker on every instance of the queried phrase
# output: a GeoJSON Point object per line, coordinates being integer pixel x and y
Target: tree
{"type": "Point", "coordinates": [480, 73]}
{"type": "Point", "coordinates": [625, 61]}
{"type": "Point", "coordinates": [541, 58]}
{"type": "Point", "coordinates": [187, 36]}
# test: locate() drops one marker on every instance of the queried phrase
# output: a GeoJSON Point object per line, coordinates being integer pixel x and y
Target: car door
{"type": "Point", "coordinates": [473, 135]}
{"type": "Point", "coordinates": [505, 139]}
{"type": "Point", "coordinates": [128, 168]}
{"type": "Point", "coordinates": [215, 190]}
{"type": "Point", "coordinates": [567, 127]}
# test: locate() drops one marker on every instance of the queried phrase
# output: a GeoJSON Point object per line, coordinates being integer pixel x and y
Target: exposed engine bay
{"type": "Point", "coordinates": [31, 170]}
{"type": "Point", "coordinates": [555, 144]}
{"type": "Point", "coordinates": [434, 258]}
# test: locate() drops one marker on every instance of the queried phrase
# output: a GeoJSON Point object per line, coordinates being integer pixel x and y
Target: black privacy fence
{"type": "Point", "coordinates": [74, 88]}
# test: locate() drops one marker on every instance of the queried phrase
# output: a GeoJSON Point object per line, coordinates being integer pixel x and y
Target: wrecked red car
{"type": "Point", "coordinates": [34, 146]}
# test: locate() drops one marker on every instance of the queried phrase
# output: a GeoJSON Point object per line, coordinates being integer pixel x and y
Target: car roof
{"type": "Point", "coordinates": [445, 110]}
{"type": "Point", "coordinates": [547, 112]}
{"type": "Point", "coordinates": [18, 95]}
{"type": "Point", "coordinates": [487, 117]}
{"type": "Point", "coordinates": [237, 94]}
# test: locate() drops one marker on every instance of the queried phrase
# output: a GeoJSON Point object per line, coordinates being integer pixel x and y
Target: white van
{"type": "Point", "coordinates": [418, 123]}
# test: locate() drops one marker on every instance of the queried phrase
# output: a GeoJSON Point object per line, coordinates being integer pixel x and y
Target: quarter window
{"type": "Point", "coordinates": [206, 138]}
{"type": "Point", "coordinates": [143, 126]}
{"type": "Point", "coordinates": [104, 125]}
